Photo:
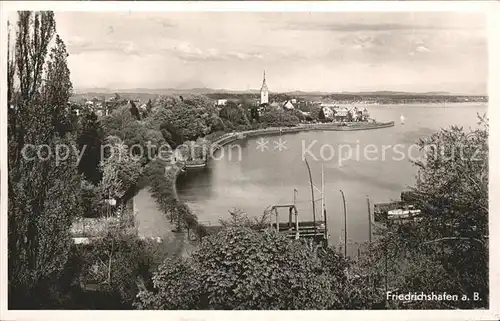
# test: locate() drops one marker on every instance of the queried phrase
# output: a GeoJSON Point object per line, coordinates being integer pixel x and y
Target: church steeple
{"type": "Point", "coordinates": [264, 92]}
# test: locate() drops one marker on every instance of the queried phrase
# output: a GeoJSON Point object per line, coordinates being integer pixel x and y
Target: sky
{"type": "Point", "coordinates": [400, 51]}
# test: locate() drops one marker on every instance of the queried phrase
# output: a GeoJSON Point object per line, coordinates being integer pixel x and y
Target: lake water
{"type": "Point", "coordinates": [263, 177]}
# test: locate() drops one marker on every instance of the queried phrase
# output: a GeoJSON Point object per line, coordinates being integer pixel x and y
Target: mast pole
{"type": "Point", "coordinates": [323, 197]}
{"type": "Point", "coordinates": [345, 224]}
{"type": "Point", "coordinates": [322, 189]}
{"type": "Point", "coordinates": [369, 220]}
{"type": "Point", "coordinates": [312, 197]}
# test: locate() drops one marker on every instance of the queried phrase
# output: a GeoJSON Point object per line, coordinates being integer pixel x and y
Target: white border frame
{"type": "Point", "coordinates": [489, 8]}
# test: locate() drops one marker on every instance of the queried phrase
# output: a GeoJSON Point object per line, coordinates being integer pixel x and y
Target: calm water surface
{"type": "Point", "coordinates": [263, 178]}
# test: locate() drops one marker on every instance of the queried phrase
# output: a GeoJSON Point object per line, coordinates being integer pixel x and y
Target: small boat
{"type": "Point", "coordinates": [402, 118]}
{"type": "Point", "coordinates": [401, 214]}
{"type": "Point", "coordinates": [195, 165]}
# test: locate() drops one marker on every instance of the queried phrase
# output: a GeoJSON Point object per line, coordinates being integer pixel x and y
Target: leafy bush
{"type": "Point", "coordinates": [279, 118]}
{"type": "Point", "coordinates": [240, 268]}
{"type": "Point", "coordinates": [118, 264]}
{"type": "Point", "coordinates": [121, 123]}
{"type": "Point", "coordinates": [120, 170]}
{"type": "Point", "coordinates": [91, 199]}
{"type": "Point", "coordinates": [235, 114]}
{"type": "Point", "coordinates": [448, 249]}
{"type": "Point", "coordinates": [192, 116]}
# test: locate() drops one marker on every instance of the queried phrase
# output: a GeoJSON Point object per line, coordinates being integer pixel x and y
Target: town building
{"type": "Point", "coordinates": [288, 105]}
{"type": "Point", "coordinates": [275, 105]}
{"type": "Point", "coordinates": [221, 102]}
{"type": "Point", "coordinates": [355, 114]}
{"type": "Point", "coordinates": [264, 92]}
{"type": "Point", "coordinates": [328, 112]}
{"type": "Point", "coordinates": [341, 114]}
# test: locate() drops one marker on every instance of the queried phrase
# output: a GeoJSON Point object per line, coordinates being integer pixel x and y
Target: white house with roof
{"type": "Point", "coordinates": [355, 114]}
{"type": "Point", "coordinates": [288, 105]}
{"type": "Point", "coordinates": [341, 112]}
{"type": "Point", "coordinates": [221, 102]}
{"type": "Point", "coordinates": [328, 112]}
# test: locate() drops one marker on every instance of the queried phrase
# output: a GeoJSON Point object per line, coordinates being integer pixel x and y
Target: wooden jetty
{"type": "Point", "coordinates": [292, 228]}
{"type": "Point", "coordinates": [315, 230]}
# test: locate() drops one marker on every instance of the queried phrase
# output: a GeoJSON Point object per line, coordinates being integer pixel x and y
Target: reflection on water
{"type": "Point", "coordinates": [198, 181]}
{"type": "Point", "coordinates": [262, 178]}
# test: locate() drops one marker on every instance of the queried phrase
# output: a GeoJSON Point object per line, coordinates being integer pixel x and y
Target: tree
{"type": "Point", "coordinates": [92, 200]}
{"type": "Point", "coordinates": [89, 140]}
{"type": "Point", "coordinates": [240, 268]}
{"type": "Point", "coordinates": [161, 187]}
{"type": "Point", "coordinates": [452, 190]}
{"type": "Point", "coordinates": [43, 193]}
{"type": "Point", "coordinates": [447, 250]}
{"type": "Point", "coordinates": [120, 170]}
{"type": "Point", "coordinates": [216, 124]}
{"type": "Point", "coordinates": [191, 117]}
{"type": "Point", "coordinates": [178, 285]}
{"type": "Point", "coordinates": [234, 114]}
{"type": "Point", "coordinates": [238, 218]}
{"type": "Point", "coordinates": [171, 134]}
{"type": "Point", "coordinates": [254, 113]}
{"type": "Point", "coordinates": [149, 106]}
{"type": "Point", "coordinates": [349, 116]}
{"type": "Point", "coordinates": [134, 111]}
{"type": "Point", "coordinates": [58, 88]}
{"type": "Point", "coordinates": [321, 115]}
{"type": "Point", "coordinates": [11, 68]}
{"type": "Point", "coordinates": [279, 118]}
{"type": "Point", "coordinates": [138, 136]}
{"type": "Point", "coordinates": [118, 264]}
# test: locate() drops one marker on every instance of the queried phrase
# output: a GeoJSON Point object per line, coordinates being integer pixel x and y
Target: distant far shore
{"type": "Point", "coordinates": [433, 104]}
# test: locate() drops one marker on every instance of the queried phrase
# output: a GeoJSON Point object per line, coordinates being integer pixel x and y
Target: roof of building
{"type": "Point", "coordinates": [288, 105]}
{"type": "Point", "coordinates": [341, 112]}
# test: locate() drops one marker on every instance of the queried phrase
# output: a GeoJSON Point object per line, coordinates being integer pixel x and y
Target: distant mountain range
{"type": "Point", "coordinates": [204, 91]}
{"type": "Point", "coordinates": [164, 91]}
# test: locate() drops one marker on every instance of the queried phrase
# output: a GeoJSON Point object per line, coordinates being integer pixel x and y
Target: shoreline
{"type": "Point", "coordinates": [231, 137]}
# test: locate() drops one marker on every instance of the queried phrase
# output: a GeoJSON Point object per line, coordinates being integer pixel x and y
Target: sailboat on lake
{"type": "Point", "coordinates": [402, 119]}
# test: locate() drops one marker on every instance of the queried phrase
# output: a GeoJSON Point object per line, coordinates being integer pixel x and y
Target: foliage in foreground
{"type": "Point", "coordinates": [240, 268]}
{"type": "Point", "coordinates": [43, 195]}
{"type": "Point", "coordinates": [117, 264]}
{"type": "Point", "coordinates": [447, 251]}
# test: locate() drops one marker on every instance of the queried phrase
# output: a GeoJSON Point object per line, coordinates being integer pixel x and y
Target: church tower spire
{"type": "Point", "coordinates": [264, 91]}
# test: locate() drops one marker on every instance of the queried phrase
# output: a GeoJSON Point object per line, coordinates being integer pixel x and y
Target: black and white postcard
{"type": "Point", "coordinates": [330, 157]}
